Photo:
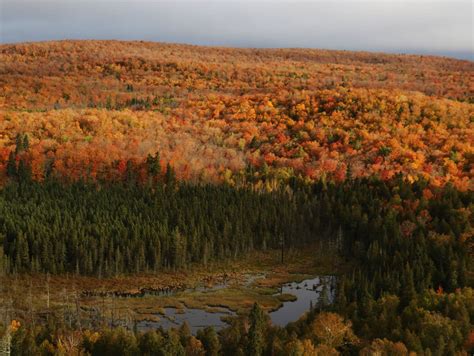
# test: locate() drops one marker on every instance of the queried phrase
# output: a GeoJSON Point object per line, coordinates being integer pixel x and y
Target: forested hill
{"type": "Point", "coordinates": [111, 159]}
{"type": "Point", "coordinates": [156, 67]}
{"type": "Point", "coordinates": [92, 107]}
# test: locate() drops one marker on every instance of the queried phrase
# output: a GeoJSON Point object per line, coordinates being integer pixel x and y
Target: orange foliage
{"type": "Point", "coordinates": [91, 106]}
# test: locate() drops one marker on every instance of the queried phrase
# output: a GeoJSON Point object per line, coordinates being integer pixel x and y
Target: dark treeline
{"type": "Point", "coordinates": [104, 230]}
{"type": "Point", "coordinates": [390, 228]}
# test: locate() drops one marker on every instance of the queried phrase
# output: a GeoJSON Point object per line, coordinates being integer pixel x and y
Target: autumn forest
{"type": "Point", "coordinates": [128, 166]}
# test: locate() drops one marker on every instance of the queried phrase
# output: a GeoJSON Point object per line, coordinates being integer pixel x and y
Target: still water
{"type": "Point", "coordinates": [310, 292]}
{"type": "Point", "coordinates": [196, 318]}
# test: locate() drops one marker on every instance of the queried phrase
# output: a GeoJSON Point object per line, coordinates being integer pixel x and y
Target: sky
{"type": "Point", "coordinates": [443, 27]}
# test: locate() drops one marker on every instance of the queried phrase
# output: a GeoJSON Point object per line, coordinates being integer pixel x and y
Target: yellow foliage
{"type": "Point", "coordinates": [14, 325]}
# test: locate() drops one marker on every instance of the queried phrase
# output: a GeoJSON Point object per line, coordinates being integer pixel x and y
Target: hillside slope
{"type": "Point", "coordinates": [89, 107]}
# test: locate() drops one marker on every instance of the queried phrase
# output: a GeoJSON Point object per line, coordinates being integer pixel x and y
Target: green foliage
{"type": "Point", "coordinates": [23, 343]}
{"type": "Point", "coordinates": [385, 151]}
{"type": "Point", "coordinates": [210, 341]}
{"type": "Point", "coordinates": [170, 175]}
{"type": "Point", "coordinates": [256, 337]}
{"type": "Point", "coordinates": [117, 342]}
{"type": "Point", "coordinates": [153, 165]}
{"type": "Point", "coordinates": [11, 166]}
{"type": "Point", "coordinates": [398, 258]}
{"type": "Point", "coordinates": [112, 229]}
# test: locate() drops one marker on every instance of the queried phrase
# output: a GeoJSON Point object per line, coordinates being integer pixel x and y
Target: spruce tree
{"type": "Point", "coordinates": [26, 142]}
{"type": "Point", "coordinates": [408, 289]}
{"type": "Point", "coordinates": [256, 335]}
{"type": "Point", "coordinates": [170, 176]}
{"type": "Point", "coordinates": [11, 165]}
{"type": "Point", "coordinates": [24, 171]}
{"type": "Point", "coordinates": [18, 143]}
{"type": "Point", "coordinates": [210, 341]}
{"type": "Point", "coordinates": [153, 165]}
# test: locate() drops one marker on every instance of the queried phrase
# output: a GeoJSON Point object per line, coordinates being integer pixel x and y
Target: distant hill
{"type": "Point", "coordinates": [89, 107]}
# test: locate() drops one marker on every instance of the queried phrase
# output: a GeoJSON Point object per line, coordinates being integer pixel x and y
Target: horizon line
{"type": "Point", "coordinates": [448, 54]}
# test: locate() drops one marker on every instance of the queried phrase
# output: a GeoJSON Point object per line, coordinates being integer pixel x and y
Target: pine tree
{"type": "Point", "coordinates": [184, 333]}
{"type": "Point", "coordinates": [24, 171]}
{"type": "Point", "coordinates": [18, 143]}
{"type": "Point", "coordinates": [130, 174]}
{"type": "Point", "coordinates": [23, 254]}
{"type": "Point", "coordinates": [408, 289]}
{"type": "Point", "coordinates": [11, 165]}
{"type": "Point", "coordinates": [170, 176]}
{"type": "Point", "coordinates": [26, 142]}
{"type": "Point", "coordinates": [153, 165]}
{"type": "Point", "coordinates": [150, 342]}
{"type": "Point", "coordinates": [341, 294]}
{"type": "Point", "coordinates": [209, 340]}
{"type": "Point", "coordinates": [256, 335]}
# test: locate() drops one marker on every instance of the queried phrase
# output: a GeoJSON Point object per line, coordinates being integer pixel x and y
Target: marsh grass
{"type": "Point", "coordinates": [27, 294]}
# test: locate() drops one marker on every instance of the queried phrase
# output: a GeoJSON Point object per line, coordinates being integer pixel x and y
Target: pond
{"type": "Point", "coordinates": [309, 292]}
{"type": "Point", "coordinates": [196, 319]}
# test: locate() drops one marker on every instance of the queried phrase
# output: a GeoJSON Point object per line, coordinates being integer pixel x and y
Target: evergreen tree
{"type": "Point", "coordinates": [324, 298]}
{"type": "Point", "coordinates": [19, 143]}
{"type": "Point", "coordinates": [209, 340]}
{"type": "Point", "coordinates": [408, 289]}
{"type": "Point", "coordinates": [26, 142]}
{"type": "Point", "coordinates": [24, 171]}
{"type": "Point", "coordinates": [256, 335]}
{"type": "Point", "coordinates": [11, 165]}
{"type": "Point", "coordinates": [150, 342]}
{"type": "Point", "coordinates": [153, 165]}
{"type": "Point", "coordinates": [170, 176]}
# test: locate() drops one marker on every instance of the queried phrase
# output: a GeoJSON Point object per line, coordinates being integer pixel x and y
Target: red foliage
{"type": "Point", "coordinates": [95, 105]}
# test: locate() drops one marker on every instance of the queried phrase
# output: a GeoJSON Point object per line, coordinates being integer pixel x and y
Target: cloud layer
{"type": "Point", "coordinates": [443, 27]}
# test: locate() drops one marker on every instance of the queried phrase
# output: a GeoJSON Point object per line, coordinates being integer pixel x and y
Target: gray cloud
{"type": "Point", "coordinates": [443, 27]}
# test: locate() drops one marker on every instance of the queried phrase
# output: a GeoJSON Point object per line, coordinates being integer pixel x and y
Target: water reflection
{"type": "Point", "coordinates": [310, 292]}
{"type": "Point", "coordinates": [314, 292]}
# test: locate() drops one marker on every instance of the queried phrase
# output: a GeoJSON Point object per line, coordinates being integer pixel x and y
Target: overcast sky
{"type": "Point", "coordinates": [416, 26]}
